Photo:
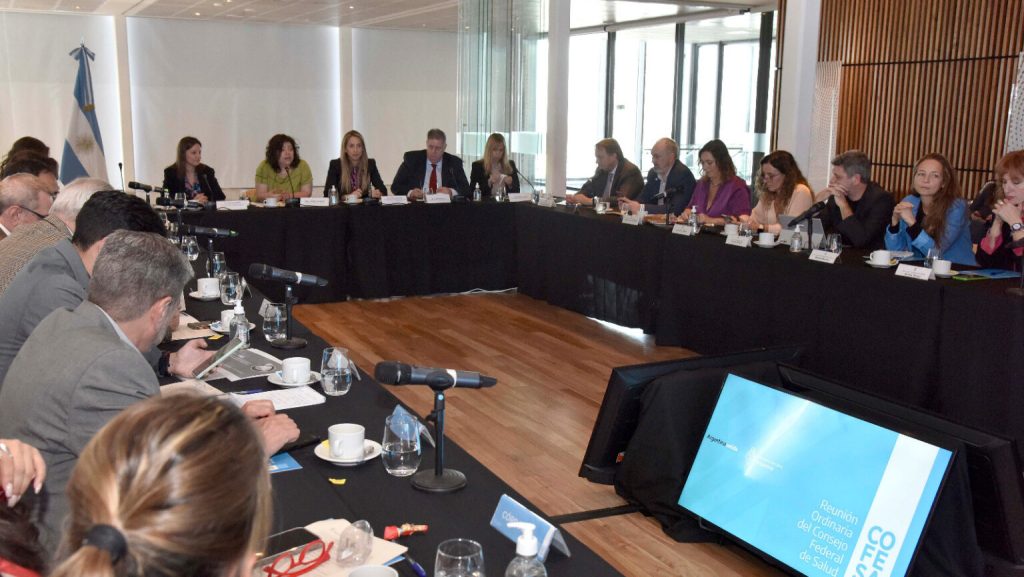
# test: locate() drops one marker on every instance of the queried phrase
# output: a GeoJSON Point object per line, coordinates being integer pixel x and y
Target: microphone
{"type": "Point", "coordinates": [146, 187]}
{"type": "Point", "coordinates": [267, 272]}
{"type": "Point", "coordinates": [396, 373]}
{"type": "Point", "coordinates": [120, 168]}
{"type": "Point", "coordinates": [208, 231]}
{"type": "Point", "coordinates": [810, 212]}
{"type": "Point", "coordinates": [164, 201]}
{"type": "Point", "coordinates": [528, 181]}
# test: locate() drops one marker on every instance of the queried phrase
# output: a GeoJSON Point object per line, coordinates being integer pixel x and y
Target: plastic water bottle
{"type": "Point", "coordinates": [240, 326]}
{"type": "Point", "coordinates": [796, 244]}
{"type": "Point", "coordinates": [476, 193]}
{"type": "Point", "coordinates": [526, 563]}
{"type": "Point", "coordinates": [694, 220]}
{"type": "Point", "coordinates": [332, 195]}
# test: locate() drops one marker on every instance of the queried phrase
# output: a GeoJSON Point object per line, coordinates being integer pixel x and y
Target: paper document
{"type": "Point", "coordinates": [284, 399]}
{"type": "Point", "coordinates": [245, 364]}
{"type": "Point", "coordinates": [383, 553]}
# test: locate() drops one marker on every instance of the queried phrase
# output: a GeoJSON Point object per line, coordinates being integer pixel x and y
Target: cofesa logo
{"type": "Point", "coordinates": [874, 557]}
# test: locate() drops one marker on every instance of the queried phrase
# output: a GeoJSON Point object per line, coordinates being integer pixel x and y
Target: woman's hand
{"type": "Point", "coordinates": [904, 211]}
{"type": "Point", "coordinates": [1007, 212]}
{"type": "Point", "coordinates": [357, 193]}
{"type": "Point", "coordinates": [376, 193]}
{"type": "Point", "coordinates": [20, 465]}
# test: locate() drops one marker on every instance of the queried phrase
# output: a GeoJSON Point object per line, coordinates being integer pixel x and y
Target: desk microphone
{"type": "Point", "coordinates": [208, 231]}
{"type": "Point", "coordinates": [528, 181]}
{"type": "Point", "coordinates": [267, 272]}
{"type": "Point", "coordinates": [396, 373]}
{"type": "Point", "coordinates": [120, 168]}
{"type": "Point", "coordinates": [175, 202]}
{"type": "Point", "coordinates": [147, 187]}
{"type": "Point", "coordinates": [810, 212]}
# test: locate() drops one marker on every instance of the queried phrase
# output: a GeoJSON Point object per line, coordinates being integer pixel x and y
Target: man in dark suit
{"type": "Point", "coordinates": [615, 177]}
{"type": "Point", "coordinates": [858, 208]}
{"type": "Point", "coordinates": [431, 169]}
{"type": "Point", "coordinates": [670, 183]}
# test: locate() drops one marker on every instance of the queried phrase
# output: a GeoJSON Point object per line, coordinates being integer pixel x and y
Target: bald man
{"type": "Point", "coordinates": [670, 183]}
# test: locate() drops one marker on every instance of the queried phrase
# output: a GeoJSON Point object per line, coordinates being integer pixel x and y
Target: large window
{"type": "Point", "coordinates": [645, 60]}
{"type": "Point", "coordinates": [587, 71]}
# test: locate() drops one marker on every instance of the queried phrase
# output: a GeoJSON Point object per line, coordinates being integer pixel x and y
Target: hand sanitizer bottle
{"type": "Point", "coordinates": [240, 326]}
{"type": "Point", "coordinates": [526, 563]}
{"type": "Point", "coordinates": [332, 196]}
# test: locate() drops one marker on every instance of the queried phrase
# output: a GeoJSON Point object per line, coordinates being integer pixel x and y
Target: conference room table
{"type": "Point", "coordinates": [949, 346]}
{"type": "Point", "coordinates": [369, 492]}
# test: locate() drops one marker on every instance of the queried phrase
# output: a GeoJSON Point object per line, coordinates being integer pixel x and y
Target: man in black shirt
{"type": "Point", "coordinates": [858, 208]}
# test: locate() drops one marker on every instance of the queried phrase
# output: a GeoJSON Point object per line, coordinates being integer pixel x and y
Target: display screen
{"type": "Point", "coordinates": [825, 493]}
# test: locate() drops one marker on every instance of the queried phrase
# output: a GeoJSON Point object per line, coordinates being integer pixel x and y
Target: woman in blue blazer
{"type": "Point", "coordinates": [934, 215]}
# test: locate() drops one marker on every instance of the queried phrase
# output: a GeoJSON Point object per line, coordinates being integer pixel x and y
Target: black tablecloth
{"type": "Point", "coordinates": [304, 496]}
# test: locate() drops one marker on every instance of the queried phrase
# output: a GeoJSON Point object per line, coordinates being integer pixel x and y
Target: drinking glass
{"type": "Point", "coordinates": [354, 544]}
{"type": "Point", "coordinates": [933, 253]}
{"type": "Point", "coordinates": [459, 558]}
{"type": "Point", "coordinates": [230, 288]}
{"type": "Point", "coordinates": [217, 264]}
{"type": "Point", "coordinates": [401, 447]}
{"type": "Point", "coordinates": [834, 243]}
{"type": "Point", "coordinates": [190, 246]}
{"type": "Point", "coordinates": [336, 371]}
{"type": "Point", "coordinates": [275, 322]}
{"type": "Point", "coordinates": [745, 229]}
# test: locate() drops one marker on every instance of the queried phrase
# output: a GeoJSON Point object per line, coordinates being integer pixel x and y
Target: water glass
{"type": "Point", "coordinates": [336, 371]}
{"type": "Point", "coordinates": [230, 288]}
{"type": "Point", "coordinates": [354, 544]}
{"type": "Point", "coordinates": [401, 447]}
{"type": "Point", "coordinates": [275, 322]}
{"type": "Point", "coordinates": [459, 558]}
{"type": "Point", "coordinates": [933, 253]}
{"type": "Point", "coordinates": [745, 229]}
{"type": "Point", "coordinates": [834, 243]}
{"type": "Point", "coordinates": [190, 246]}
{"type": "Point", "coordinates": [217, 264]}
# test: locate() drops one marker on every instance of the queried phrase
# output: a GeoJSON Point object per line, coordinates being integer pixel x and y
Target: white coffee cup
{"type": "Point", "coordinates": [295, 370]}
{"type": "Point", "coordinates": [225, 318]}
{"type": "Point", "coordinates": [209, 287]}
{"type": "Point", "coordinates": [373, 571]}
{"type": "Point", "coordinates": [940, 266]}
{"type": "Point", "coordinates": [882, 257]}
{"type": "Point", "coordinates": [600, 207]}
{"type": "Point", "coordinates": [732, 229]}
{"type": "Point", "coordinates": [766, 238]}
{"type": "Point", "coordinates": [346, 440]}
{"type": "Point", "coordinates": [270, 202]}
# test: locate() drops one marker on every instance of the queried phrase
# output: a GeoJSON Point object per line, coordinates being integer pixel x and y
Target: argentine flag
{"type": "Point", "coordinates": [83, 148]}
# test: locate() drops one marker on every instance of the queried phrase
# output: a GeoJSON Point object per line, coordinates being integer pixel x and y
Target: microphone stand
{"type": "Point", "coordinates": [289, 342]}
{"type": "Point", "coordinates": [440, 480]}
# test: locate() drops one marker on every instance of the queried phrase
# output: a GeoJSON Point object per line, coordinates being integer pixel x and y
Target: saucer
{"type": "Point", "coordinates": [892, 263]}
{"type": "Point", "coordinates": [950, 274]}
{"type": "Point", "coordinates": [768, 245]}
{"type": "Point", "coordinates": [371, 450]}
{"type": "Point", "coordinates": [276, 379]}
{"type": "Point", "coordinates": [205, 298]}
{"type": "Point", "coordinates": [215, 327]}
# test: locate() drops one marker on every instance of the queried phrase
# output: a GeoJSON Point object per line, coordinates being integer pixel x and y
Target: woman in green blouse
{"type": "Point", "coordinates": [283, 175]}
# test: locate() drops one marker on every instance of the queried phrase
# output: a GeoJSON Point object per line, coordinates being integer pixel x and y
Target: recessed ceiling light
{"type": "Point", "coordinates": [217, 4]}
{"type": "Point", "coordinates": [198, 14]}
{"type": "Point", "coordinates": [78, 7]}
{"type": "Point", "coordinates": [351, 7]}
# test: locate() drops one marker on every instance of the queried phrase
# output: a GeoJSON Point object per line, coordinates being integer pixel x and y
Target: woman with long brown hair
{"type": "Point", "coordinates": [933, 216]}
{"type": "Point", "coordinates": [173, 486]}
{"type": "Point", "coordinates": [782, 190]}
{"type": "Point", "coordinates": [354, 174]}
{"type": "Point", "coordinates": [188, 174]}
{"type": "Point", "coordinates": [719, 193]}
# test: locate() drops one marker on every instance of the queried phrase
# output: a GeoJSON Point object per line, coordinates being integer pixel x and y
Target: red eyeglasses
{"type": "Point", "coordinates": [308, 558]}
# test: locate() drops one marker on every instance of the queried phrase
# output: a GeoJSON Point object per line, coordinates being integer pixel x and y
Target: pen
{"type": "Point", "coordinates": [249, 392]}
{"type": "Point", "coordinates": [415, 566]}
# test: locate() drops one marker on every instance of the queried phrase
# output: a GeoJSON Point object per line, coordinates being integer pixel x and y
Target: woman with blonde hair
{"type": "Point", "coordinates": [354, 174]}
{"type": "Point", "coordinates": [494, 169]}
{"type": "Point", "coordinates": [171, 487]}
{"type": "Point", "coordinates": [782, 190]}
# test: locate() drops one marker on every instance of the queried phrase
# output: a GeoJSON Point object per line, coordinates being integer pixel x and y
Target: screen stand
{"type": "Point", "coordinates": [440, 480]}
{"type": "Point", "coordinates": [289, 342]}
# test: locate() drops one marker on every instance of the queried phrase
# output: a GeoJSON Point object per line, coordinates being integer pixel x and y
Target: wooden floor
{"type": "Point", "coordinates": [552, 366]}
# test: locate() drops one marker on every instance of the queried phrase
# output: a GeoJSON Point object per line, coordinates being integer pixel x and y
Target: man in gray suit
{"type": "Point", "coordinates": [58, 277]}
{"type": "Point", "coordinates": [81, 367]}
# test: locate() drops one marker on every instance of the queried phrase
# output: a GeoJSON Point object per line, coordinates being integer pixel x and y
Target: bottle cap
{"type": "Point", "coordinates": [239, 310]}
{"type": "Point", "coordinates": [526, 544]}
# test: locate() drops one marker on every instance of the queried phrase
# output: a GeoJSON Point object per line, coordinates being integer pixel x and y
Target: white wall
{"type": "Point", "coordinates": [404, 83]}
{"type": "Point", "coordinates": [37, 79]}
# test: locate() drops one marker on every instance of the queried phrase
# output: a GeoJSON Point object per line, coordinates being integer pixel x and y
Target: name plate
{"type": "Point", "coordinates": [321, 201]}
{"type": "Point", "coordinates": [520, 197]}
{"type": "Point", "coordinates": [914, 272]}
{"type": "Point", "coordinates": [683, 229]}
{"type": "Point", "coordinates": [633, 219]}
{"type": "Point", "coordinates": [393, 199]}
{"type": "Point", "coordinates": [437, 198]}
{"type": "Point", "coordinates": [233, 204]}
{"type": "Point", "coordinates": [823, 256]}
{"type": "Point", "coordinates": [737, 240]}
{"type": "Point", "coordinates": [546, 201]}
{"type": "Point", "coordinates": [511, 511]}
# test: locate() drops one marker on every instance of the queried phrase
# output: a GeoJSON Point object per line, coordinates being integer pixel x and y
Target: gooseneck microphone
{"type": "Point", "coordinates": [177, 203]}
{"type": "Point", "coordinates": [396, 373]}
{"type": "Point", "coordinates": [147, 187]}
{"type": "Point", "coordinates": [267, 272]}
{"type": "Point", "coordinates": [209, 231]}
{"type": "Point", "coordinates": [120, 169]}
{"type": "Point", "coordinates": [810, 212]}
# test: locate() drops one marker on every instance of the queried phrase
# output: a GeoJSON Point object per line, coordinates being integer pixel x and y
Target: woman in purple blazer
{"type": "Point", "coordinates": [719, 192]}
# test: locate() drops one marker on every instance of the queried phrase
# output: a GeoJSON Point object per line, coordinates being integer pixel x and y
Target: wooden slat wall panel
{"type": "Point", "coordinates": [924, 76]}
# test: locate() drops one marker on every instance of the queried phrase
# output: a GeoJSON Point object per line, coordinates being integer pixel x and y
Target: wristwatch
{"type": "Point", "coordinates": [1017, 227]}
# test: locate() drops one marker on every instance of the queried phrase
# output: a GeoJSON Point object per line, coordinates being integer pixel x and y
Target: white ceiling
{"type": "Point", "coordinates": [440, 15]}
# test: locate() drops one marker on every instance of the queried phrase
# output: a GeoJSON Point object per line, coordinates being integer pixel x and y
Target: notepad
{"type": "Point", "coordinates": [284, 399]}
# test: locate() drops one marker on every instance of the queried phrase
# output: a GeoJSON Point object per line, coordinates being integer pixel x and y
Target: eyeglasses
{"type": "Point", "coordinates": [308, 558]}
{"type": "Point", "coordinates": [41, 216]}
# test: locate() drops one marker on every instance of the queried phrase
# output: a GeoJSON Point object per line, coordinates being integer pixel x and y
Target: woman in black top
{"type": "Point", "coordinates": [1008, 216]}
{"type": "Point", "coordinates": [354, 174]}
{"type": "Point", "coordinates": [189, 175]}
{"type": "Point", "coordinates": [494, 168]}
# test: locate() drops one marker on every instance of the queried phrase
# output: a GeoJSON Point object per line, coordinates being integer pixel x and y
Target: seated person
{"type": "Point", "coordinates": [171, 487]}
{"type": "Point", "coordinates": [858, 209]}
{"type": "Point", "coordinates": [933, 216]}
{"type": "Point", "coordinates": [25, 144]}
{"type": "Point", "coordinates": [614, 178]}
{"type": "Point", "coordinates": [981, 211]}
{"type": "Point", "coordinates": [188, 174]}
{"type": "Point", "coordinates": [24, 199]}
{"type": "Point", "coordinates": [669, 185]}
{"type": "Point", "coordinates": [783, 190]}
{"type": "Point", "coordinates": [354, 174]}
{"type": "Point", "coordinates": [21, 468]}
{"type": "Point", "coordinates": [431, 170]}
{"type": "Point", "coordinates": [1007, 224]}
{"type": "Point", "coordinates": [720, 195]}
{"type": "Point", "coordinates": [29, 162]}
{"type": "Point", "coordinates": [494, 169]}
{"type": "Point", "coordinates": [282, 174]}
{"type": "Point", "coordinates": [82, 367]}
